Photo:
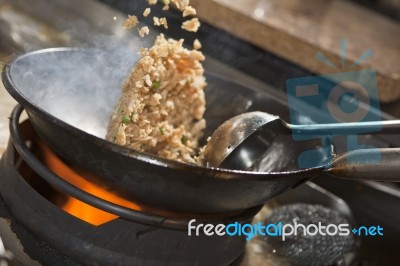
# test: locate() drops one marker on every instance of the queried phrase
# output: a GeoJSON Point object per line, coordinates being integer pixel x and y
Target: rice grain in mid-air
{"type": "Point", "coordinates": [144, 31]}
{"type": "Point", "coordinates": [131, 22]}
{"type": "Point", "coordinates": [146, 12]}
{"type": "Point", "coordinates": [189, 11]}
{"type": "Point", "coordinates": [197, 44]}
{"type": "Point", "coordinates": [191, 25]}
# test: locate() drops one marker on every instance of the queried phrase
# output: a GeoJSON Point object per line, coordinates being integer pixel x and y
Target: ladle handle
{"type": "Point", "coordinates": [378, 127]}
{"type": "Point", "coordinates": [368, 164]}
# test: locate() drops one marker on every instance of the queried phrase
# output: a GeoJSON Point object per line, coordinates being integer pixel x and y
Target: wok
{"type": "Point", "coordinates": [69, 95]}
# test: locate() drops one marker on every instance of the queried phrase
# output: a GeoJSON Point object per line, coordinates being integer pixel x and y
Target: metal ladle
{"type": "Point", "coordinates": [242, 140]}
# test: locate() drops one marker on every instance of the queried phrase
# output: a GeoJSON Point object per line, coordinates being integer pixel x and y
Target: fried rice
{"type": "Point", "coordinates": [162, 104]}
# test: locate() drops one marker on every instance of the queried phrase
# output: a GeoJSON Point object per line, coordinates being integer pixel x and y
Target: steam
{"type": "Point", "coordinates": [80, 86]}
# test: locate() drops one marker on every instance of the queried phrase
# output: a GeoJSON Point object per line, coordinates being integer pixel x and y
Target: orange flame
{"type": "Point", "coordinates": [76, 207]}
{"type": "Point", "coordinates": [90, 214]}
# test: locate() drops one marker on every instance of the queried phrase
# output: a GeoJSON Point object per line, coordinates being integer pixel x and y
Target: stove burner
{"type": "Point", "coordinates": [30, 202]}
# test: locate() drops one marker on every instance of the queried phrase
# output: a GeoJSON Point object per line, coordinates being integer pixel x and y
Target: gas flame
{"type": "Point", "coordinates": [76, 207]}
{"type": "Point", "coordinates": [95, 216]}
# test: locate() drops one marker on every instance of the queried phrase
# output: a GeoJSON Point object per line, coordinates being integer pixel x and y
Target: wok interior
{"type": "Point", "coordinates": [77, 87]}
{"type": "Point", "coordinates": [81, 87]}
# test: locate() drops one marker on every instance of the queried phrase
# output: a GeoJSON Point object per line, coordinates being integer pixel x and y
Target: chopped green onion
{"type": "Point", "coordinates": [125, 119]}
{"type": "Point", "coordinates": [156, 85]}
{"type": "Point", "coordinates": [184, 139]}
{"type": "Point", "coordinates": [162, 130]}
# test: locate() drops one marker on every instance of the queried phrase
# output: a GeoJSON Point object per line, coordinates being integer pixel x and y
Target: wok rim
{"type": "Point", "coordinates": [211, 172]}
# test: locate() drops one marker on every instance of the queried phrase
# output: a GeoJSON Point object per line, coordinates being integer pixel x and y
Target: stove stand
{"type": "Point", "coordinates": [51, 236]}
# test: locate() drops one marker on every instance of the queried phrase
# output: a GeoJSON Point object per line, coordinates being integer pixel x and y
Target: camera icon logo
{"type": "Point", "coordinates": [334, 98]}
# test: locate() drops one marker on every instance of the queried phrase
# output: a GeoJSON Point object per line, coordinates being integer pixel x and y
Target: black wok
{"type": "Point", "coordinates": [69, 95]}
